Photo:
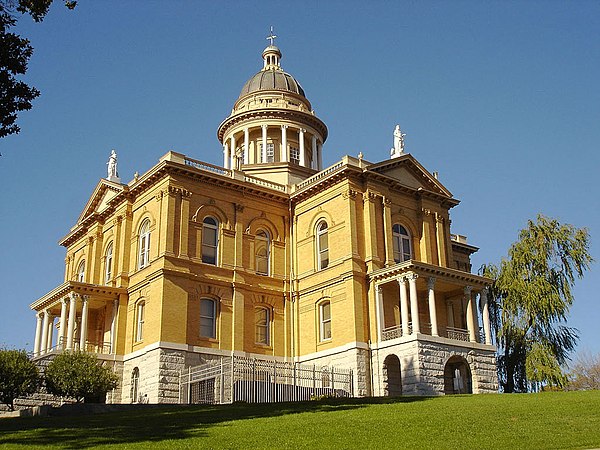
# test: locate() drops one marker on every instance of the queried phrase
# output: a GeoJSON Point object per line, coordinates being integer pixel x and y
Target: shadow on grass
{"type": "Point", "coordinates": [159, 423]}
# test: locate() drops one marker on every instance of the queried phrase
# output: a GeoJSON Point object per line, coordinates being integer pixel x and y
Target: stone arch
{"type": "Point", "coordinates": [211, 210]}
{"type": "Point", "coordinates": [457, 376]}
{"type": "Point", "coordinates": [317, 217]}
{"type": "Point", "coordinates": [392, 376]}
{"type": "Point", "coordinates": [140, 220]}
{"type": "Point", "coordinates": [261, 222]}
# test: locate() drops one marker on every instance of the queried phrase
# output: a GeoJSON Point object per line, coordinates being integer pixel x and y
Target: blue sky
{"type": "Point", "coordinates": [501, 98]}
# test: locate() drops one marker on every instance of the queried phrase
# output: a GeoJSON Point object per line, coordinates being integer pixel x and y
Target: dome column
{"type": "Point", "coordinates": [263, 150]}
{"type": "Point", "coordinates": [232, 152]}
{"type": "Point", "coordinates": [246, 146]}
{"type": "Point", "coordinates": [319, 156]}
{"type": "Point", "coordinates": [301, 139]}
{"type": "Point", "coordinates": [314, 152]}
{"type": "Point", "coordinates": [284, 151]}
{"type": "Point", "coordinates": [226, 155]}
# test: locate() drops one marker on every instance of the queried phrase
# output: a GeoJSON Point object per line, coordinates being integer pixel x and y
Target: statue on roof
{"type": "Point", "coordinates": [398, 149]}
{"type": "Point", "coordinates": [113, 175]}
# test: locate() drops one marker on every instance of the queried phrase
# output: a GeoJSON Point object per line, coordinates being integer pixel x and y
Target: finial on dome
{"type": "Point", "coordinates": [271, 55]}
{"type": "Point", "coordinates": [271, 37]}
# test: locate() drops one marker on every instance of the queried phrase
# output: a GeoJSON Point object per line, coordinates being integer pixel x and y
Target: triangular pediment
{"type": "Point", "coordinates": [104, 192]}
{"type": "Point", "coordinates": [407, 171]}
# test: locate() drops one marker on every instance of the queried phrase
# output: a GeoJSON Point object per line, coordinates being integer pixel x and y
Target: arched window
{"type": "Point", "coordinates": [135, 381]}
{"type": "Point", "coordinates": [322, 245]}
{"type": "Point", "coordinates": [208, 318]}
{"type": "Point", "coordinates": [325, 321]}
{"type": "Point", "coordinates": [263, 252]}
{"type": "Point", "coordinates": [144, 244]}
{"type": "Point", "coordinates": [402, 246]}
{"type": "Point", "coordinates": [81, 272]}
{"type": "Point", "coordinates": [262, 317]}
{"type": "Point", "coordinates": [108, 263]}
{"type": "Point", "coordinates": [210, 240]}
{"type": "Point", "coordinates": [140, 312]}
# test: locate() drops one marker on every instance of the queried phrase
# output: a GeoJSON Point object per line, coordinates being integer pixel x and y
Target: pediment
{"type": "Point", "coordinates": [407, 171]}
{"type": "Point", "coordinates": [104, 192]}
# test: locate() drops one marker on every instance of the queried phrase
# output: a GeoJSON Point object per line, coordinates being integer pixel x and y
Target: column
{"type": "Point", "coordinates": [71, 325]}
{"type": "Point", "coordinates": [486, 315]}
{"type": "Point", "coordinates": [232, 152]}
{"type": "Point", "coordinates": [43, 344]}
{"type": "Point", "coordinates": [263, 150]}
{"type": "Point", "coordinates": [379, 311]}
{"type": "Point", "coordinates": [62, 324]}
{"type": "Point", "coordinates": [314, 153]}
{"type": "Point", "coordinates": [50, 332]}
{"type": "Point", "coordinates": [226, 155]}
{"type": "Point", "coordinates": [432, 311]}
{"type": "Point", "coordinates": [403, 305]}
{"type": "Point", "coordinates": [414, 303]}
{"type": "Point", "coordinates": [38, 334]}
{"type": "Point", "coordinates": [301, 139]}
{"type": "Point", "coordinates": [284, 150]}
{"type": "Point", "coordinates": [113, 327]}
{"type": "Point", "coordinates": [246, 146]}
{"type": "Point", "coordinates": [84, 320]}
{"type": "Point", "coordinates": [470, 322]}
{"type": "Point", "coordinates": [184, 223]}
{"type": "Point", "coordinates": [387, 232]}
{"type": "Point", "coordinates": [319, 156]}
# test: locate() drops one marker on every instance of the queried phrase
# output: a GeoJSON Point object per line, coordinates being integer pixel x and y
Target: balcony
{"type": "Point", "coordinates": [456, 334]}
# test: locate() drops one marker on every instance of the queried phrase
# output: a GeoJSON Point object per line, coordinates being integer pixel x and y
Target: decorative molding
{"type": "Point", "coordinates": [239, 207]}
{"type": "Point", "coordinates": [431, 283]}
{"type": "Point", "coordinates": [350, 193]}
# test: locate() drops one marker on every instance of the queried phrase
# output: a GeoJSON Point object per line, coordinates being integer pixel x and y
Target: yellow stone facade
{"type": "Point", "coordinates": [273, 256]}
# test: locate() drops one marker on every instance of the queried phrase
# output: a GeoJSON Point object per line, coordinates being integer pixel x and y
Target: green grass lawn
{"type": "Point", "coordinates": [544, 421]}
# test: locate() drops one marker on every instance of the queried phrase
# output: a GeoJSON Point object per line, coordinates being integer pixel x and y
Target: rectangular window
{"type": "Point", "coordinates": [294, 155]}
{"type": "Point", "coordinates": [139, 335]}
{"type": "Point", "coordinates": [262, 326]}
{"type": "Point", "coordinates": [208, 318]}
{"type": "Point", "coordinates": [270, 153]}
{"type": "Point", "coordinates": [325, 316]}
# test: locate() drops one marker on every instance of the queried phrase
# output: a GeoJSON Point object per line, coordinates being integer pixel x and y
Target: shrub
{"type": "Point", "coordinates": [19, 376]}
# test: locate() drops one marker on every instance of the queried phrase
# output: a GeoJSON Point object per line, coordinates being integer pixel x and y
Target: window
{"type": "Point", "coordinates": [208, 314]}
{"type": "Point", "coordinates": [144, 245]}
{"type": "Point", "coordinates": [325, 320]}
{"type": "Point", "coordinates": [263, 320]}
{"type": "Point", "coordinates": [210, 240]}
{"type": "Point", "coordinates": [294, 155]}
{"type": "Point", "coordinates": [139, 317]}
{"type": "Point", "coordinates": [108, 261]}
{"type": "Point", "coordinates": [135, 380]}
{"type": "Point", "coordinates": [402, 247]}
{"type": "Point", "coordinates": [263, 251]}
{"type": "Point", "coordinates": [322, 245]}
{"type": "Point", "coordinates": [81, 272]}
{"type": "Point", "coordinates": [270, 153]}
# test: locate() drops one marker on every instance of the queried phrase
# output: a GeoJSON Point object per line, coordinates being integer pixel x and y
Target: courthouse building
{"type": "Point", "coordinates": [274, 257]}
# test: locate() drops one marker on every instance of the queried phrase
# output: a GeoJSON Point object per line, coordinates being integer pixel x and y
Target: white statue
{"type": "Point", "coordinates": [398, 143]}
{"type": "Point", "coordinates": [113, 175]}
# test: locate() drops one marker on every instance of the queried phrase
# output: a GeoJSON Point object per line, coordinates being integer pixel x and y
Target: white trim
{"type": "Point", "coordinates": [333, 351]}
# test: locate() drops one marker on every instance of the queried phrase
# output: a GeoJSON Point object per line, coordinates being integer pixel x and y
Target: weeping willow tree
{"type": "Point", "coordinates": [530, 301]}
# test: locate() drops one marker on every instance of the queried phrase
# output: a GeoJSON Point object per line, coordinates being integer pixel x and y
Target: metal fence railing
{"type": "Point", "coordinates": [252, 380]}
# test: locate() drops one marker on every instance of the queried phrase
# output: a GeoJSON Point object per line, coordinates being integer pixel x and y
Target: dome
{"type": "Point", "coordinates": [272, 80]}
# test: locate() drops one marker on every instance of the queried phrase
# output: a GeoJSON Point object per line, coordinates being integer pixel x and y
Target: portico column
{"type": "Point", "coordinates": [263, 150]}
{"type": "Point", "coordinates": [62, 324]}
{"type": "Point", "coordinates": [246, 146]}
{"type": "Point", "coordinates": [486, 315]}
{"type": "Point", "coordinates": [379, 311]}
{"type": "Point", "coordinates": [71, 325]}
{"type": "Point", "coordinates": [301, 139]}
{"type": "Point", "coordinates": [84, 319]}
{"type": "Point", "coordinates": [50, 332]}
{"type": "Point", "coordinates": [43, 344]}
{"type": "Point", "coordinates": [284, 150]}
{"type": "Point", "coordinates": [113, 326]}
{"type": "Point", "coordinates": [313, 150]}
{"type": "Point", "coordinates": [226, 155]}
{"type": "Point", "coordinates": [414, 303]}
{"type": "Point", "coordinates": [38, 334]}
{"type": "Point", "coordinates": [470, 322]}
{"type": "Point", "coordinates": [232, 152]}
{"type": "Point", "coordinates": [403, 305]}
{"type": "Point", "coordinates": [432, 311]}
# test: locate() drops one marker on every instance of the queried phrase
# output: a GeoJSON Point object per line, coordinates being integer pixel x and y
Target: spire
{"type": "Point", "coordinates": [271, 55]}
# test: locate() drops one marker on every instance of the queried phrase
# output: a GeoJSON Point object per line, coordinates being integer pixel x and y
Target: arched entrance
{"type": "Point", "coordinates": [392, 376]}
{"type": "Point", "coordinates": [457, 376]}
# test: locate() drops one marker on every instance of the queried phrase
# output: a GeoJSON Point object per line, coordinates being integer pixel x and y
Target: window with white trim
{"type": "Point", "coordinates": [135, 381]}
{"type": "Point", "coordinates": [402, 245]}
{"type": "Point", "coordinates": [294, 155]}
{"type": "Point", "coordinates": [144, 245]}
{"type": "Point", "coordinates": [140, 312]}
{"type": "Point", "coordinates": [210, 240]}
{"type": "Point", "coordinates": [322, 245]}
{"type": "Point", "coordinates": [270, 155]}
{"type": "Point", "coordinates": [81, 272]}
{"type": "Point", "coordinates": [325, 321]}
{"type": "Point", "coordinates": [108, 263]}
{"type": "Point", "coordinates": [262, 324]}
{"type": "Point", "coordinates": [263, 252]}
{"type": "Point", "coordinates": [208, 318]}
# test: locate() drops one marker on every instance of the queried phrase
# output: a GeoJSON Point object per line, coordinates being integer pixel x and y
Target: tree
{"type": "Point", "coordinates": [79, 375]}
{"type": "Point", "coordinates": [15, 95]}
{"type": "Point", "coordinates": [585, 372]}
{"type": "Point", "coordinates": [19, 376]}
{"type": "Point", "coordinates": [530, 301]}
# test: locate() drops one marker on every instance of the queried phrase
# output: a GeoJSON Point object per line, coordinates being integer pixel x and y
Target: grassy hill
{"type": "Point", "coordinates": [544, 421]}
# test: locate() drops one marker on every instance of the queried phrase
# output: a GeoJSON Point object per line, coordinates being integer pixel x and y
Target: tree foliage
{"type": "Point", "coordinates": [585, 372]}
{"type": "Point", "coordinates": [530, 301]}
{"type": "Point", "coordinates": [16, 95]}
{"type": "Point", "coordinates": [19, 376]}
{"type": "Point", "coordinates": [79, 375]}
